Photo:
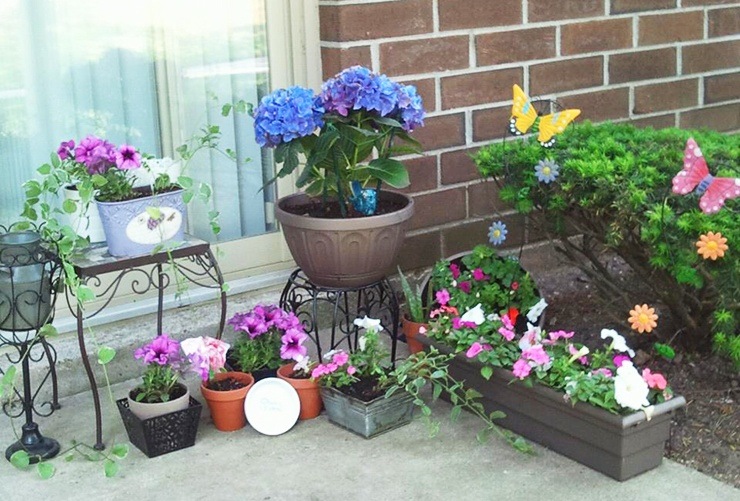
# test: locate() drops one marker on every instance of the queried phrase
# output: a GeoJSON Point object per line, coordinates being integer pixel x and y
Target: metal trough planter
{"type": "Point", "coordinates": [368, 419]}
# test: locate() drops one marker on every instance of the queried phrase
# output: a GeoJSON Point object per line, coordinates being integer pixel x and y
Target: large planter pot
{"type": "Point", "coordinates": [86, 223]}
{"type": "Point", "coordinates": [146, 410]}
{"type": "Point", "coordinates": [161, 434]}
{"type": "Point", "coordinates": [410, 330]}
{"type": "Point", "coordinates": [368, 419]}
{"type": "Point", "coordinates": [618, 446]}
{"type": "Point", "coordinates": [227, 407]}
{"type": "Point", "coordinates": [130, 229]}
{"type": "Point", "coordinates": [308, 392]}
{"type": "Point", "coordinates": [343, 253]}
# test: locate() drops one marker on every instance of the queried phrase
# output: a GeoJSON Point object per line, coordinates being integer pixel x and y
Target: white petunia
{"type": "Point", "coordinates": [475, 315]}
{"type": "Point", "coordinates": [492, 317]}
{"type": "Point", "coordinates": [630, 390]}
{"type": "Point", "coordinates": [301, 363]}
{"type": "Point", "coordinates": [530, 338]}
{"type": "Point", "coordinates": [535, 311]}
{"type": "Point", "coordinates": [618, 343]}
{"type": "Point", "coordinates": [368, 324]}
{"type": "Point", "coordinates": [328, 355]}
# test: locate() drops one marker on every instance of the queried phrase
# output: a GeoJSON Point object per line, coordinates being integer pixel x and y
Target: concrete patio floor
{"type": "Point", "coordinates": [317, 460]}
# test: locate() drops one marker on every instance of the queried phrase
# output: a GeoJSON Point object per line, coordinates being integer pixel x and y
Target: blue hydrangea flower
{"type": "Point", "coordinates": [287, 114]}
{"type": "Point", "coordinates": [546, 171]}
{"type": "Point", "coordinates": [497, 233]}
{"type": "Point", "coordinates": [412, 109]}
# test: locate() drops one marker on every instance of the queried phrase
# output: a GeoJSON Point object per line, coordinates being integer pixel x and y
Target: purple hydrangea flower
{"type": "Point", "coordinates": [163, 350]}
{"type": "Point", "coordinates": [127, 158]}
{"type": "Point", "coordinates": [287, 114]}
{"type": "Point", "coordinates": [97, 154]}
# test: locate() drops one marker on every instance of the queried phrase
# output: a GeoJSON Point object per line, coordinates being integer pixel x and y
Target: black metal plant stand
{"type": "Point", "coordinates": [28, 275]}
{"type": "Point", "coordinates": [336, 309]}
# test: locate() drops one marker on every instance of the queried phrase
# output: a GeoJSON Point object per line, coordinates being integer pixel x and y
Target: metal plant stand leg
{"type": "Point", "coordinates": [335, 310]}
{"type": "Point", "coordinates": [99, 445]}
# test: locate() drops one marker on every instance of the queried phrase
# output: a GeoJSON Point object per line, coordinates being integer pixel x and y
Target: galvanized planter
{"type": "Point", "coordinates": [618, 446]}
{"type": "Point", "coordinates": [368, 418]}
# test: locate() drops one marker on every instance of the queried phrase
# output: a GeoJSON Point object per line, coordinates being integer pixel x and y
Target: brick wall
{"type": "Point", "coordinates": [653, 62]}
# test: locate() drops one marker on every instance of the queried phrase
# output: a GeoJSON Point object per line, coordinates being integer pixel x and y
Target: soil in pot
{"type": "Point", "coordinates": [366, 389]}
{"type": "Point", "coordinates": [227, 384]}
{"type": "Point", "coordinates": [331, 209]}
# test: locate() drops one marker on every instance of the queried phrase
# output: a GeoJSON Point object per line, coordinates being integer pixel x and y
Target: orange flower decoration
{"type": "Point", "coordinates": [643, 318]}
{"type": "Point", "coordinates": [711, 245]}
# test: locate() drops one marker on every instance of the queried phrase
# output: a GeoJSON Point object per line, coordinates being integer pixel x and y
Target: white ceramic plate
{"type": "Point", "coordinates": [272, 406]}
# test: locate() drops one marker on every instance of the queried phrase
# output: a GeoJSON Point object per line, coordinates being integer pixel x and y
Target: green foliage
{"type": "Point", "coordinates": [262, 352]}
{"type": "Point", "coordinates": [415, 309]}
{"type": "Point", "coordinates": [614, 188]}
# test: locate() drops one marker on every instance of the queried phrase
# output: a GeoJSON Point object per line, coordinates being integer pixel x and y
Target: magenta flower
{"type": "Point", "coordinates": [554, 336]}
{"type": "Point", "coordinates": [508, 334]}
{"type": "Point", "coordinates": [351, 370]}
{"type": "Point", "coordinates": [97, 155]}
{"type": "Point", "coordinates": [162, 350]}
{"type": "Point", "coordinates": [340, 358]}
{"type": "Point", "coordinates": [476, 348]}
{"type": "Point", "coordinates": [293, 344]}
{"type": "Point", "coordinates": [478, 275]}
{"type": "Point", "coordinates": [464, 286]}
{"type": "Point", "coordinates": [323, 370]}
{"type": "Point", "coordinates": [574, 351]}
{"type": "Point", "coordinates": [253, 325]}
{"type": "Point", "coordinates": [521, 369]}
{"type": "Point", "coordinates": [620, 359]}
{"type": "Point", "coordinates": [127, 158]}
{"type": "Point", "coordinates": [455, 269]}
{"type": "Point", "coordinates": [536, 354]}
{"type": "Point", "coordinates": [443, 297]}
{"type": "Point", "coordinates": [458, 323]}
{"type": "Point", "coordinates": [654, 380]}
{"type": "Point", "coordinates": [66, 149]}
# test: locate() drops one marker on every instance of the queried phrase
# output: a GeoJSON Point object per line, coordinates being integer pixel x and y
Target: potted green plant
{"type": "Point", "coordinates": [266, 336]}
{"type": "Point", "coordinates": [159, 415]}
{"type": "Point", "coordinates": [343, 231]}
{"type": "Point", "coordinates": [415, 317]}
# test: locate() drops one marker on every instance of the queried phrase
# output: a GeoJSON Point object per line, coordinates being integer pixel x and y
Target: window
{"type": "Point", "coordinates": [150, 73]}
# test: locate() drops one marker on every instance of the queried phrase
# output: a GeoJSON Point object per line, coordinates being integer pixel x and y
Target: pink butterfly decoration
{"type": "Point", "coordinates": [695, 176]}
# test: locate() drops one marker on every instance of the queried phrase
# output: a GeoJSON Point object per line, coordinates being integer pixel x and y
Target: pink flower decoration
{"type": "Point", "coordinates": [464, 286]}
{"type": "Point", "coordinates": [443, 297]}
{"type": "Point", "coordinates": [574, 351]}
{"type": "Point", "coordinates": [654, 380]}
{"type": "Point", "coordinates": [620, 359]}
{"type": "Point", "coordinates": [521, 369]}
{"type": "Point", "coordinates": [478, 275]}
{"type": "Point", "coordinates": [536, 354]}
{"type": "Point", "coordinates": [455, 269]}
{"type": "Point", "coordinates": [351, 370]}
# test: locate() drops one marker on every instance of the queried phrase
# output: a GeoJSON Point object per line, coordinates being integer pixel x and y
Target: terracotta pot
{"type": "Point", "coordinates": [146, 410]}
{"type": "Point", "coordinates": [308, 392]}
{"type": "Point", "coordinates": [344, 253]}
{"type": "Point", "coordinates": [227, 407]}
{"type": "Point", "coordinates": [410, 329]}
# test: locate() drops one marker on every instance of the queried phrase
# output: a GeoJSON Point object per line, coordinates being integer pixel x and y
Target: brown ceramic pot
{"type": "Point", "coordinates": [410, 329]}
{"type": "Point", "coordinates": [308, 392]}
{"type": "Point", "coordinates": [227, 407]}
{"type": "Point", "coordinates": [349, 252]}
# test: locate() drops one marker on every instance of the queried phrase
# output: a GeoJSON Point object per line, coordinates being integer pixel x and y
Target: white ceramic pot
{"type": "Point", "coordinates": [144, 410]}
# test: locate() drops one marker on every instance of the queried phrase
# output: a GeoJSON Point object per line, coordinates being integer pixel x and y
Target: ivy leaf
{"type": "Point", "coordinates": [486, 371]}
{"type": "Point", "coordinates": [20, 459]}
{"type": "Point", "coordinates": [45, 470]}
{"type": "Point", "coordinates": [105, 355]}
{"type": "Point", "coordinates": [7, 381]}
{"type": "Point", "coordinates": [111, 468]}
{"type": "Point", "coordinates": [120, 450]}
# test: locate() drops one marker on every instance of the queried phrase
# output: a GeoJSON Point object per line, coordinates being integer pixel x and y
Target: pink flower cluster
{"type": "Point", "coordinates": [163, 350]}
{"type": "Point", "coordinates": [207, 354]}
{"type": "Point", "coordinates": [99, 155]}
{"type": "Point", "coordinates": [272, 319]}
{"type": "Point", "coordinates": [338, 359]}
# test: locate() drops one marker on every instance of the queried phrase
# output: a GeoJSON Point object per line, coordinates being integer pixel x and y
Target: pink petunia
{"type": "Point", "coordinates": [464, 286]}
{"type": "Point", "coordinates": [442, 296]}
{"type": "Point", "coordinates": [351, 370]}
{"type": "Point", "coordinates": [536, 354]}
{"type": "Point", "coordinates": [508, 334]}
{"type": "Point", "coordinates": [554, 336]}
{"type": "Point", "coordinates": [521, 369]}
{"type": "Point", "coordinates": [654, 380]}
{"type": "Point", "coordinates": [455, 269]}
{"type": "Point", "coordinates": [340, 358]}
{"type": "Point", "coordinates": [574, 351]}
{"type": "Point", "coordinates": [474, 349]}
{"type": "Point", "coordinates": [620, 359]}
{"type": "Point", "coordinates": [479, 276]}
{"type": "Point", "coordinates": [603, 372]}
{"type": "Point", "coordinates": [457, 324]}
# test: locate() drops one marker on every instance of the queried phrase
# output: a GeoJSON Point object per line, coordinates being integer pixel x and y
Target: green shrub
{"type": "Point", "coordinates": [614, 188]}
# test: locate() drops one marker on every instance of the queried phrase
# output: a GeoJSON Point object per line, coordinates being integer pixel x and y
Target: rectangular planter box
{"type": "Point", "coordinates": [618, 446]}
{"type": "Point", "coordinates": [161, 434]}
{"type": "Point", "coordinates": [368, 418]}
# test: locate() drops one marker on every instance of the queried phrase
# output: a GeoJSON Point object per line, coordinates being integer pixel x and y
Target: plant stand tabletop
{"type": "Point", "coordinates": [193, 261]}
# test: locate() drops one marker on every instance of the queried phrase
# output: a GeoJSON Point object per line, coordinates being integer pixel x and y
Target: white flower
{"type": "Point", "coordinates": [301, 363]}
{"type": "Point", "coordinates": [618, 343]}
{"type": "Point", "coordinates": [361, 343]}
{"type": "Point", "coordinates": [530, 338]}
{"type": "Point", "coordinates": [368, 324]}
{"type": "Point", "coordinates": [328, 355]}
{"type": "Point", "coordinates": [581, 353]}
{"type": "Point", "coordinates": [649, 411]}
{"type": "Point", "coordinates": [534, 313]}
{"type": "Point", "coordinates": [492, 317]}
{"type": "Point", "coordinates": [630, 390]}
{"type": "Point", "coordinates": [475, 315]}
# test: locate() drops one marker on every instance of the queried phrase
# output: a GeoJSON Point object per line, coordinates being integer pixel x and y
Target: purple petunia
{"type": "Point", "coordinates": [252, 324]}
{"type": "Point", "coordinates": [127, 158]}
{"type": "Point", "coordinates": [66, 149]}
{"type": "Point", "coordinates": [97, 154]}
{"type": "Point", "coordinates": [292, 346]}
{"type": "Point", "coordinates": [163, 350]}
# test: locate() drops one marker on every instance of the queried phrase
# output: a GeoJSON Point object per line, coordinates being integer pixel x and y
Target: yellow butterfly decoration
{"type": "Point", "coordinates": [524, 117]}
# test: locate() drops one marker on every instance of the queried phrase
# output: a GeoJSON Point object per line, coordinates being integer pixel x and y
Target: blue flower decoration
{"type": "Point", "coordinates": [546, 171]}
{"type": "Point", "coordinates": [364, 200]}
{"type": "Point", "coordinates": [497, 233]}
{"type": "Point", "coordinates": [287, 114]}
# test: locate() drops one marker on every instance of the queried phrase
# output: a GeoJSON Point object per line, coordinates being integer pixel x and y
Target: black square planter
{"type": "Point", "coordinates": [161, 434]}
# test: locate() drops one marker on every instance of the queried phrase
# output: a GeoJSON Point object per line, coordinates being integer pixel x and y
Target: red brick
{"type": "Point", "coordinates": [721, 88]}
{"type": "Point", "coordinates": [465, 236]}
{"type": "Point", "coordinates": [457, 15]}
{"type": "Point", "coordinates": [458, 166]}
{"type": "Point", "coordinates": [420, 250]}
{"type": "Point", "coordinates": [723, 22]}
{"type": "Point", "coordinates": [491, 123]}
{"type": "Point", "coordinates": [711, 56]}
{"type": "Point", "coordinates": [515, 45]}
{"type": "Point", "coordinates": [424, 56]}
{"type": "Point", "coordinates": [657, 122]}
{"type": "Point", "coordinates": [668, 28]}
{"type": "Point", "coordinates": [596, 36]}
{"type": "Point", "coordinates": [342, 23]}
{"type": "Point", "coordinates": [610, 104]}
{"type": "Point", "coordinates": [621, 6]}
{"type": "Point", "coordinates": [693, 3]}
{"type": "Point", "coordinates": [442, 132]}
{"type": "Point", "coordinates": [478, 88]}
{"type": "Point", "coordinates": [566, 75]}
{"type": "Point", "coordinates": [551, 10]}
{"type": "Point", "coordinates": [666, 96]}
{"type": "Point", "coordinates": [426, 90]}
{"type": "Point", "coordinates": [642, 65]}
{"type": "Point", "coordinates": [483, 199]}
{"type": "Point", "coordinates": [335, 60]}
{"type": "Point", "coordinates": [723, 118]}
{"type": "Point", "coordinates": [422, 172]}
{"type": "Point", "coordinates": [440, 207]}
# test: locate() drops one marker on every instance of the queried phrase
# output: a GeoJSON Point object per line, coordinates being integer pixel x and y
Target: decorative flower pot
{"type": "Point", "coordinates": [308, 392]}
{"type": "Point", "coordinates": [87, 224]}
{"type": "Point", "coordinates": [132, 230]}
{"type": "Point", "coordinates": [227, 407]}
{"type": "Point", "coordinates": [161, 434]}
{"type": "Point", "coordinates": [146, 410]}
{"type": "Point", "coordinates": [618, 446]}
{"type": "Point", "coordinates": [410, 330]}
{"type": "Point", "coordinates": [345, 252]}
{"type": "Point", "coordinates": [368, 418]}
